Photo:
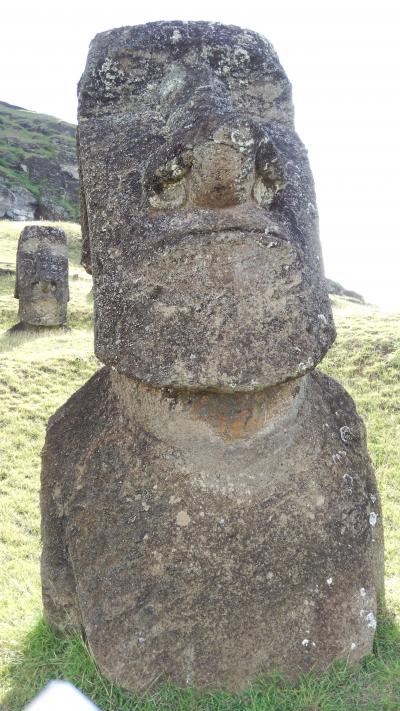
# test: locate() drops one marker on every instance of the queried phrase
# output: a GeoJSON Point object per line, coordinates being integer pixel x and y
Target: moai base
{"type": "Point", "coordinates": [42, 277]}
{"type": "Point", "coordinates": [209, 510]}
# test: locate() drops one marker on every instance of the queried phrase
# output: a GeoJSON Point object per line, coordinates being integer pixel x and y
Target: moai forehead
{"type": "Point", "coordinates": [199, 212]}
{"type": "Point", "coordinates": [159, 68]}
{"type": "Point", "coordinates": [42, 275]}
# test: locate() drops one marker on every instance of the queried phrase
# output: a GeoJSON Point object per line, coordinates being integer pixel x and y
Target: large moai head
{"type": "Point", "coordinates": [42, 276]}
{"type": "Point", "coordinates": [199, 212]}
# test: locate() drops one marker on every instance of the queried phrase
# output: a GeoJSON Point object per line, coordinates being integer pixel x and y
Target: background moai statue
{"type": "Point", "coordinates": [42, 276]}
{"type": "Point", "coordinates": [210, 510]}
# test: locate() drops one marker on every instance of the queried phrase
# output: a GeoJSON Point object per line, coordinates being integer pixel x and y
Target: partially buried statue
{"type": "Point", "coordinates": [42, 277]}
{"type": "Point", "coordinates": [209, 508]}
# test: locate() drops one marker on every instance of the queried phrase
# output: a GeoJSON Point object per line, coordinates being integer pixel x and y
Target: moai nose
{"type": "Point", "coordinates": [223, 167]}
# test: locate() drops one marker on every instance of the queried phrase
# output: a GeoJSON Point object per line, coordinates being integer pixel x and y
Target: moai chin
{"type": "Point", "coordinates": [42, 276]}
{"type": "Point", "coordinates": [210, 511]}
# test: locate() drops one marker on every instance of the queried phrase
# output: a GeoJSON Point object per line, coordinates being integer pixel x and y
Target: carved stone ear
{"type": "Point", "coordinates": [86, 259]}
{"type": "Point", "coordinates": [270, 175]}
{"type": "Point", "coordinates": [16, 287]}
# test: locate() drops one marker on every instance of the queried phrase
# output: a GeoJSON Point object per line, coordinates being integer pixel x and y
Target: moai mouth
{"type": "Point", "coordinates": [43, 289]}
{"type": "Point", "coordinates": [217, 304]}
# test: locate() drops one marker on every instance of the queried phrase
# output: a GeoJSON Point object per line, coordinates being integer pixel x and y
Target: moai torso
{"type": "Point", "coordinates": [42, 276]}
{"type": "Point", "coordinates": [210, 510]}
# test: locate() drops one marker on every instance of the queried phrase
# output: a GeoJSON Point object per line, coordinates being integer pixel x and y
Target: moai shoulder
{"type": "Point", "coordinates": [42, 276]}
{"type": "Point", "coordinates": [209, 510]}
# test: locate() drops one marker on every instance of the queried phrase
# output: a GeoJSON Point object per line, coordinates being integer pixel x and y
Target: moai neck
{"type": "Point", "coordinates": [184, 415]}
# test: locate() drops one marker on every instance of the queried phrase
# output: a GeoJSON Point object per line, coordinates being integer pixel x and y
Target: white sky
{"type": "Point", "coordinates": [343, 59]}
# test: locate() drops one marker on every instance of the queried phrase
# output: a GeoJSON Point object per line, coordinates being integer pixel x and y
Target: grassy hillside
{"type": "Point", "coordinates": [38, 155]}
{"type": "Point", "coordinates": [37, 374]}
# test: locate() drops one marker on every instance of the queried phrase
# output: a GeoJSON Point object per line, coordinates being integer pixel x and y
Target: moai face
{"type": "Point", "coordinates": [199, 210]}
{"type": "Point", "coordinates": [42, 276]}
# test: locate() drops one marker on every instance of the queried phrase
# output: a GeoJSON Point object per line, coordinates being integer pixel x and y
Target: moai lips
{"type": "Point", "coordinates": [42, 276]}
{"type": "Point", "coordinates": [200, 210]}
{"type": "Point", "coordinates": [209, 509]}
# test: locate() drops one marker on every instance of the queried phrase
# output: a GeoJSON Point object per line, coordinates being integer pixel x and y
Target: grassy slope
{"type": "Point", "coordinates": [25, 133]}
{"type": "Point", "coordinates": [37, 374]}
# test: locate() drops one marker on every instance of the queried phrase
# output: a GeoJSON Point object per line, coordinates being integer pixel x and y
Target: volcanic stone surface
{"type": "Point", "coordinates": [200, 216]}
{"type": "Point", "coordinates": [209, 510]}
{"type": "Point", "coordinates": [42, 276]}
{"type": "Point", "coordinates": [203, 538]}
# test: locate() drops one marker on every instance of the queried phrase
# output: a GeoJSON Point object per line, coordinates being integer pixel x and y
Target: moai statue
{"type": "Point", "coordinates": [209, 509]}
{"type": "Point", "coordinates": [42, 276]}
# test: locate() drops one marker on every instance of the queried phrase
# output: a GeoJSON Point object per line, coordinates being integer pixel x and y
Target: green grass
{"type": "Point", "coordinates": [37, 374]}
{"type": "Point", "coordinates": [15, 177]}
{"type": "Point", "coordinates": [33, 128]}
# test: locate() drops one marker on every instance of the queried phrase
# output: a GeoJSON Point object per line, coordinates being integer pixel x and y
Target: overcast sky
{"type": "Point", "coordinates": [343, 59]}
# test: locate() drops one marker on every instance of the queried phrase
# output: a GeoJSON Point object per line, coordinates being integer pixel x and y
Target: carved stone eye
{"type": "Point", "coordinates": [270, 177]}
{"type": "Point", "coordinates": [167, 186]}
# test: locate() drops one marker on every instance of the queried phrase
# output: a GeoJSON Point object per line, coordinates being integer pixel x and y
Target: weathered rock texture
{"type": "Point", "coordinates": [42, 276]}
{"type": "Point", "coordinates": [206, 260]}
{"type": "Point", "coordinates": [209, 510]}
{"type": "Point", "coordinates": [205, 537]}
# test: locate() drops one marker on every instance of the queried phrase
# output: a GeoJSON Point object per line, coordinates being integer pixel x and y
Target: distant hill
{"type": "Point", "coordinates": [38, 166]}
{"type": "Point", "coordinates": [335, 288]}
